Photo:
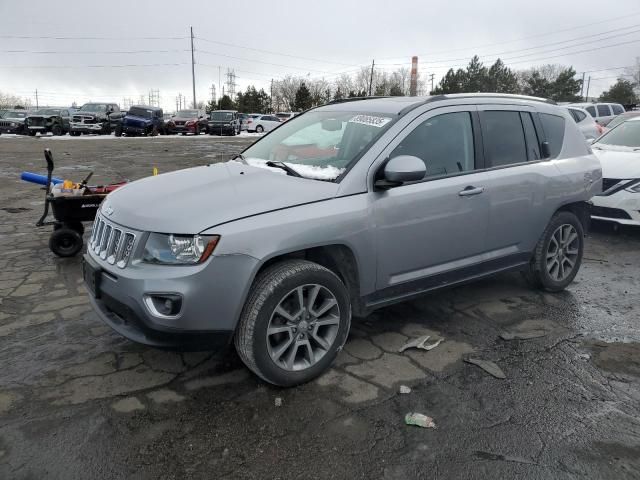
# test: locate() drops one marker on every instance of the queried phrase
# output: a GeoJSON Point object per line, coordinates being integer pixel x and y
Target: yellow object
{"type": "Point", "coordinates": [155, 171]}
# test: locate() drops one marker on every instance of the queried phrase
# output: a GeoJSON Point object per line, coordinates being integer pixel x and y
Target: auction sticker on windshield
{"type": "Point", "coordinates": [372, 120]}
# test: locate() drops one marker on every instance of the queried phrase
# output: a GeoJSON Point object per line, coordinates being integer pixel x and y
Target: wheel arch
{"type": "Point", "coordinates": [579, 209]}
{"type": "Point", "coordinates": [338, 258]}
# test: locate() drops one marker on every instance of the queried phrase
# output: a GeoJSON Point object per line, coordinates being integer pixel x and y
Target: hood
{"type": "Point", "coordinates": [43, 116]}
{"type": "Point", "coordinates": [618, 162]}
{"type": "Point", "coordinates": [184, 119]}
{"type": "Point", "coordinates": [14, 120]}
{"type": "Point", "coordinates": [192, 200]}
{"type": "Point", "coordinates": [136, 120]}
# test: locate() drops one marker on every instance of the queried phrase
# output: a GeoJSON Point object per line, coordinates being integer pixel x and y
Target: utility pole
{"type": "Point", "coordinates": [432, 76]}
{"type": "Point", "coordinates": [582, 86]}
{"type": "Point", "coordinates": [37, 99]}
{"type": "Point", "coordinates": [588, 85]}
{"type": "Point", "coordinates": [193, 71]}
{"type": "Point", "coordinates": [373, 63]}
{"type": "Point", "coordinates": [271, 98]}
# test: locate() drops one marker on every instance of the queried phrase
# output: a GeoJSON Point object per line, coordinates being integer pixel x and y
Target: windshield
{"type": "Point", "coordinates": [48, 111]}
{"type": "Point", "coordinates": [15, 115]}
{"type": "Point", "coordinates": [187, 113]}
{"type": "Point", "coordinates": [140, 112]}
{"type": "Point", "coordinates": [222, 116]}
{"type": "Point", "coordinates": [621, 118]}
{"type": "Point", "coordinates": [93, 107]}
{"type": "Point", "coordinates": [626, 134]}
{"type": "Point", "coordinates": [319, 145]}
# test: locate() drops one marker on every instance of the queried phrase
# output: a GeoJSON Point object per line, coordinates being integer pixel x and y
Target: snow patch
{"type": "Point", "coordinates": [309, 171]}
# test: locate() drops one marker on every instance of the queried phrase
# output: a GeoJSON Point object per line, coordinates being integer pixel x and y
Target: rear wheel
{"type": "Point", "coordinates": [57, 130]}
{"type": "Point", "coordinates": [32, 133]}
{"type": "Point", "coordinates": [294, 323]}
{"type": "Point", "coordinates": [259, 129]}
{"type": "Point", "coordinates": [65, 242]}
{"type": "Point", "coordinates": [558, 255]}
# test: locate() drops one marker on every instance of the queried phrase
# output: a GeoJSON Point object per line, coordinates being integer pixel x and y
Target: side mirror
{"type": "Point", "coordinates": [545, 150]}
{"type": "Point", "coordinates": [401, 169]}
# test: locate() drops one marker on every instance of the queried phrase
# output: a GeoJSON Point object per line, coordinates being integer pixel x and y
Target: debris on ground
{"type": "Point", "coordinates": [420, 343]}
{"type": "Point", "coordinates": [278, 402]}
{"type": "Point", "coordinates": [419, 420]}
{"type": "Point", "coordinates": [523, 335]}
{"type": "Point", "coordinates": [405, 389]}
{"type": "Point", "coordinates": [488, 366]}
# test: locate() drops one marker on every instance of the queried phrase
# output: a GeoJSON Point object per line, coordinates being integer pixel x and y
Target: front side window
{"type": "Point", "coordinates": [553, 126]}
{"type": "Point", "coordinates": [444, 143]}
{"type": "Point", "coordinates": [603, 111]}
{"type": "Point", "coordinates": [503, 136]}
{"type": "Point", "coordinates": [319, 144]}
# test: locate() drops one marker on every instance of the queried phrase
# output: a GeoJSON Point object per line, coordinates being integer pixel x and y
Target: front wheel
{"type": "Point", "coordinates": [57, 130]}
{"type": "Point", "coordinates": [558, 255]}
{"type": "Point", "coordinates": [259, 129]}
{"type": "Point", "coordinates": [294, 323]}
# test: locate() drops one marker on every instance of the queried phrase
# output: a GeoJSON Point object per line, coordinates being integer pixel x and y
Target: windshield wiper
{"type": "Point", "coordinates": [284, 167]}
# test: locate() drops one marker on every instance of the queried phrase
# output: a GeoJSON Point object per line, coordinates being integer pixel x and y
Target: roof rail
{"type": "Point", "coordinates": [451, 96]}
{"type": "Point", "coordinates": [354, 99]}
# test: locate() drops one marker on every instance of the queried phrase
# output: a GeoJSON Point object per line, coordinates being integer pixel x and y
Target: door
{"type": "Point", "coordinates": [518, 180]}
{"type": "Point", "coordinates": [604, 113]}
{"type": "Point", "coordinates": [432, 232]}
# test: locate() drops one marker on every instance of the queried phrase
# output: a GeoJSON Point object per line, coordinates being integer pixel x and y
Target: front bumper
{"type": "Point", "coordinates": [39, 128]}
{"type": "Point", "coordinates": [621, 207]}
{"type": "Point", "coordinates": [212, 299]}
{"type": "Point", "coordinates": [15, 130]}
{"type": "Point", "coordinates": [182, 129]}
{"type": "Point", "coordinates": [221, 129]}
{"type": "Point", "coordinates": [133, 129]}
{"type": "Point", "coordinates": [86, 127]}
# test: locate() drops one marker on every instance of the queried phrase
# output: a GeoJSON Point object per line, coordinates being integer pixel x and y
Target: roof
{"type": "Point", "coordinates": [401, 105]}
{"type": "Point", "coordinates": [146, 107]}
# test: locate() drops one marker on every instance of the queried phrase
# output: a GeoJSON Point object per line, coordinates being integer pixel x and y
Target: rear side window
{"type": "Point", "coordinates": [503, 136]}
{"type": "Point", "coordinates": [553, 126]}
{"type": "Point", "coordinates": [592, 110]}
{"type": "Point", "coordinates": [578, 115]}
{"type": "Point", "coordinates": [444, 143]}
{"type": "Point", "coordinates": [617, 109]}
{"type": "Point", "coordinates": [603, 111]}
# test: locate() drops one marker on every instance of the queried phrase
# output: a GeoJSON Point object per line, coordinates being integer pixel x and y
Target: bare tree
{"type": "Point", "coordinates": [633, 73]}
{"type": "Point", "coordinates": [10, 101]}
{"type": "Point", "coordinates": [284, 92]}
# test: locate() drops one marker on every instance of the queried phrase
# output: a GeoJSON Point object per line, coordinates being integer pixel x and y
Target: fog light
{"type": "Point", "coordinates": [167, 305]}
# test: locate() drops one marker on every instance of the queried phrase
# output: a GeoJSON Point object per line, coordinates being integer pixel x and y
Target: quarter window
{"type": "Point", "coordinates": [603, 111]}
{"type": "Point", "coordinates": [553, 126]}
{"type": "Point", "coordinates": [503, 136]}
{"type": "Point", "coordinates": [444, 143]}
{"type": "Point", "coordinates": [592, 110]}
{"type": "Point", "coordinates": [578, 115]}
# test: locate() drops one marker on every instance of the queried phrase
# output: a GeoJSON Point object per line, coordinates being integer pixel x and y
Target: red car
{"type": "Point", "coordinates": [188, 121]}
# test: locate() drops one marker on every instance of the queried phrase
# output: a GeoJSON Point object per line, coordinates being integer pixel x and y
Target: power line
{"type": "Point", "coordinates": [28, 37]}
{"type": "Point", "coordinates": [95, 52]}
{"type": "Point", "coordinates": [98, 66]}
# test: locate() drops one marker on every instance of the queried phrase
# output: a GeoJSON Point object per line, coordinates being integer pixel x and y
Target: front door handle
{"type": "Point", "coordinates": [471, 190]}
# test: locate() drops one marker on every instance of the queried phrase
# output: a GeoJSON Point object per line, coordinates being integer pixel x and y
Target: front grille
{"type": "Point", "coordinates": [36, 122]}
{"type": "Point", "coordinates": [180, 123]}
{"type": "Point", "coordinates": [608, 212]}
{"type": "Point", "coordinates": [111, 243]}
{"type": "Point", "coordinates": [5, 123]}
{"type": "Point", "coordinates": [84, 119]}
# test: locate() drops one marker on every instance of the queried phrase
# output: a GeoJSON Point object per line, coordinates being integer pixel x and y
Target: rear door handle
{"type": "Point", "coordinates": [471, 190]}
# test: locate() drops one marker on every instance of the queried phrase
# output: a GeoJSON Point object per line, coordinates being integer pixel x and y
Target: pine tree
{"type": "Point", "coordinates": [565, 88]}
{"type": "Point", "coordinates": [303, 99]}
{"type": "Point", "coordinates": [226, 103]}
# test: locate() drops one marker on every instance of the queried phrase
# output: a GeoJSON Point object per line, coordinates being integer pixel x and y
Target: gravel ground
{"type": "Point", "coordinates": [78, 401]}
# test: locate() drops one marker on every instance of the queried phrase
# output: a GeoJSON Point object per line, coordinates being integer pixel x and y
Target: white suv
{"type": "Point", "coordinates": [603, 113]}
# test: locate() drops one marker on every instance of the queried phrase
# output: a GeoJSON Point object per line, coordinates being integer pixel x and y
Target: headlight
{"type": "Point", "coordinates": [190, 122]}
{"type": "Point", "coordinates": [179, 249]}
{"type": "Point", "coordinates": [13, 124]}
{"type": "Point", "coordinates": [635, 188]}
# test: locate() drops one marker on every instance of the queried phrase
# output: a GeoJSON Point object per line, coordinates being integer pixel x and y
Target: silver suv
{"type": "Point", "coordinates": [344, 209]}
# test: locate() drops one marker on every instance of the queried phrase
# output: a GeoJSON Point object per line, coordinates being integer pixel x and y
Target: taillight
{"type": "Point", "coordinates": [600, 129]}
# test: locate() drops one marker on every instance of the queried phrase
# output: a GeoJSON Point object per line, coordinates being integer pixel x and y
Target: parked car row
{"type": "Point", "coordinates": [139, 120]}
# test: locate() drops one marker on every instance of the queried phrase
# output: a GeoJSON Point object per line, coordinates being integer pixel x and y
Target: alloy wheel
{"type": "Point", "coordinates": [303, 327]}
{"type": "Point", "coordinates": [562, 252]}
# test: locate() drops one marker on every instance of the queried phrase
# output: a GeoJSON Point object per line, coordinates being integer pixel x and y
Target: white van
{"type": "Point", "coordinates": [603, 113]}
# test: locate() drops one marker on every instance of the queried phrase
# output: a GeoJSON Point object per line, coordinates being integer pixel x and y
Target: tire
{"type": "Point", "coordinates": [65, 242]}
{"type": "Point", "coordinates": [32, 133]}
{"type": "Point", "coordinates": [552, 258]}
{"type": "Point", "coordinates": [259, 129]}
{"type": "Point", "coordinates": [74, 134]}
{"type": "Point", "coordinates": [57, 130]}
{"type": "Point", "coordinates": [154, 131]}
{"type": "Point", "coordinates": [118, 131]}
{"type": "Point", "coordinates": [197, 131]}
{"type": "Point", "coordinates": [281, 283]}
{"type": "Point", "coordinates": [106, 130]}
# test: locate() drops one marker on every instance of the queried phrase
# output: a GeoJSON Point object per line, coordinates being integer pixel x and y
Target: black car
{"type": "Point", "coordinates": [54, 120]}
{"type": "Point", "coordinates": [100, 118]}
{"type": "Point", "coordinates": [142, 120]}
{"type": "Point", "coordinates": [223, 122]}
{"type": "Point", "coordinates": [12, 121]}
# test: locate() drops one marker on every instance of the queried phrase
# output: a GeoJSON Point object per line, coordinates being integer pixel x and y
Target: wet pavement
{"type": "Point", "coordinates": [78, 401]}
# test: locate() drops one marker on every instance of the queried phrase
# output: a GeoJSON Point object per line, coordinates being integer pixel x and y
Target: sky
{"type": "Point", "coordinates": [119, 50]}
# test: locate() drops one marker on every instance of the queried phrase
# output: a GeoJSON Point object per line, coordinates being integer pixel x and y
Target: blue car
{"type": "Point", "coordinates": [142, 120]}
